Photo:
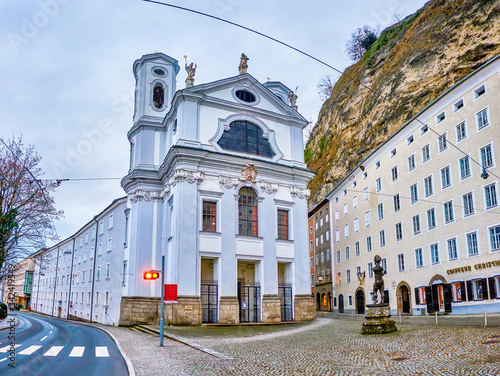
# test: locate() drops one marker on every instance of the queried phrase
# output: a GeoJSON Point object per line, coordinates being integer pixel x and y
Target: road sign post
{"type": "Point", "coordinates": [162, 298]}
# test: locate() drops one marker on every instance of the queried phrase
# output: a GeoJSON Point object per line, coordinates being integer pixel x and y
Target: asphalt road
{"type": "Point", "coordinates": [47, 346]}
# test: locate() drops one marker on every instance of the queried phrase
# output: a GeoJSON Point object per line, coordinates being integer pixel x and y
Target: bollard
{"type": "Point", "coordinates": [485, 318]}
{"type": "Point", "coordinates": [400, 317]}
{"type": "Point", "coordinates": [435, 313]}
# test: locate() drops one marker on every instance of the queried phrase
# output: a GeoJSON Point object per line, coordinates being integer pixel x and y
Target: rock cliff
{"type": "Point", "coordinates": [410, 64]}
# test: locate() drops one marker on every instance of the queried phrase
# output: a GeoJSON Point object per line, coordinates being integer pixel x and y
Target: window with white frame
{"type": "Point", "coordinates": [481, 90]}
{"type": "Point", "coordinates": [327, 255]}
{"type": "Point", "coordinates": [486, 156]}
{"type": "Point", "coordinates": [110, 244]}
{"type": "Point", "coordinates": [426, 153]}
{"type": "Point", "coordinates": [419, 258]}
{"type": "Point", "coordinates": [443, 142]}
{"type": "Point", "coordinates": [458, 105]}
{"type": "Point", "coordinates": [434, 248]}
{"type": "Point", "coordinates": [445, 177]}
{"type": "Point", "coordinates": [101, 227]}
{"type": "Point", "coordinates": [337, 215]}
{"type": "Point", "coordinates": [380, 211]}
{"type": "Point", "coordinates": [337, 235]}
{"type": "Point", "coordinates": [358, 272]}
{"type": "Point", "coordinates": [382, 238]}
{"type": "Point", "coordinates": [99, 249]}
{"type": "Point", "coordinates": [490, 196]}
{"type": "Point", "coordinates": [393, 152]}
{"type": "Point", "coordinates": [322, 257]}
{"type": "Point", "coordinates": [424, 129]}
{"type": "Point", "coordinates": [397, 202]}
{"type": "Point", "coordinates": [346, 230]}
{"type": "Point", "coordinates": [368, 244]}
{"type": "Point", "coordinates": [394, 173]}
{"type": "Point", "coordinates": [110, 221]}
{"type": "Point", "coordinates": [428, 188]}
{"type": "Point", "coordinates": [409, 140]}
{"type": "Point", "coordinates": [98, 273]}
{"type": "Point", "coordinates": [84, 255]}
{"type": "Point", "coordinates": [366, 195]}
{"type": "Point", "coordinates": [354, 184]}
{"type": "Point", "coordinates": [431, 218]}
{"type": "Point", "coordinates": [338, 256]}
{"type": "Point", "coordinates": [452, 249]}
{"type": "Point", "coordinates": [468, 203]}
{"type": "Point", "coordinates": [347, 253]}
{"type": "Point", "coordinates": [464, 164]}
{"type": "Point", "coordinates": [416, 224]}
{"type": "Point", "coordinates": [383, 264]}
{"type": "Point", "coordinates": [461, 130]}
{"type": "Point", "coordinates": [413, 193]}
{"type": "Point", "coordinates": [365, 175]}
{"type": "Point", "coordinates": [348, 277]}
{"type": "Point", "coordinates": [91, 256]}
{"type": "Point", "coordinates": [368, 220]}
{"type": "Point", "coordinates": [494, 233]}
{"type": "Point", "coordinates": [357, 249]}
{"type": "Point", "coordinates": [317, 259]}
{"type": "Point", "coordinates": [399, 231]}
{"type": "Point", "coordinates": [90, 274]}
{"type": "Point", "coordinates": [327, 235]}
{"type": "Point", "coordinates": [378, 184]}
{"type": "Point", "coordinates": [370, 269]}
{"type": "Point", "coordinates": [92, 234]}
{"type": "Point", "coordinates": [355, 202]}
{"type": "Point", "coordinates": [411, 162]}
{"type": "Point", "coordinates": [86, 237]}
{"type": "Point", "coordinates": [440, 117]}
{"type": "Point", "coordinates": [472, 245]}
{"type": "Point", "coordinates": [356, 225]}
{"type": "Point", "coordinates": [449, 215]}
{"type": "Point", "coordinates": [377, 165]}
{"type": "Point", "coordinates": [482, 119]}
{"type": "Point", "coordinates": [321, 239]}
{"type": "Point", "coordinates": [345, 209]}
{"type": "Point", "coordinates": [401, 262]}
{"type": "Point", "coordinates": [317, 241]}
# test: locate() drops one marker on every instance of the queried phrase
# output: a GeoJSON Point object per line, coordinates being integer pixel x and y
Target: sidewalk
{"type": "Point", "coordinates": [5, 323]}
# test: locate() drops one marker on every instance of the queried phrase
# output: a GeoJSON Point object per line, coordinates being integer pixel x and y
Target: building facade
{"type": "Point", "coordinates": [23, 279]}
{"type": "Point", "coordinates": [310, 224]}
{"type": "Point", "coordinates": [426, 201]}
{"type": "Point", "coordinates": [323, 272]}
{"type": "Point", "coordinates": [218, 185]}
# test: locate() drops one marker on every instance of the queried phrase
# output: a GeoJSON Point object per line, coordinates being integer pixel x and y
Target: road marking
{"type": "Point", "coordinates": [54, 350]}
{"type": "Point", "coordinates": [50, 332]}
{"type": "Point", "coordinates": [7, 348]}
{"type": "Point", "coordinates": [43, 338]}
{"type": "Point", "coordinates": [101, 352]}
{"type": "Point", "coordinates": [30, 350]}
{"type": "Point", "coordinates": [77, 351]}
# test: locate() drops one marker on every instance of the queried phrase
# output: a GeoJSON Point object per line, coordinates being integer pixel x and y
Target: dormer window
{"type": "Point", "coordinates": [245, 96]}
{"type": "Point", "coordinates": [158, 95]}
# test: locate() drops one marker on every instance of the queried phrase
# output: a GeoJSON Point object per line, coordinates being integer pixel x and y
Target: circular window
{"type": "Point", "coordinates": [245, 96]}
{"type": "Point", "coordinates": [160, 72]}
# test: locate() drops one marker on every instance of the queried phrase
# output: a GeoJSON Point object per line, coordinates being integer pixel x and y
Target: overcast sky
{"type": "Point", "coordinates": [66, 69]}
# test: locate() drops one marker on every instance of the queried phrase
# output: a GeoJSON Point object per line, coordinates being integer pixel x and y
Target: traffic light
{"type": "Point", "coordinates": [151, 275]}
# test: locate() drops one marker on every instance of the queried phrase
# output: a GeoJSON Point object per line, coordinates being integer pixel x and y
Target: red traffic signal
{"type": "Point", "coordinates": [151, 275]}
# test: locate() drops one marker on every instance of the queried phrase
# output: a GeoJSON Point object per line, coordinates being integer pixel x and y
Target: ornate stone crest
{"type": "Point", "coordinates": [147, 196]}
{"type": "Point", "coordinates": [268, 187]}
{"type": "Point", "coordinates": [227, 182]}
{"type": "Point", "coordinates": [249, 173]}
{"type": "Point", "coordinates": [300, 193]}
{"type": "Point", "coordinates": [188, 176]}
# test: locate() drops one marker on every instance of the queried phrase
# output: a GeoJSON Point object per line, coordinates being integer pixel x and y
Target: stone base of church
{"type": "Point", "coordinates": [136, 310]}
{"type": "Point", "coordinates": [229, 310]}
{"type": "Point", "coordinates": [187, 311]}
{"type": "Point", "coordinates": [304, 308]}
{"type": "Point", "coordinates": [378, 320]}
{"type": "Point", "coordinates": [271, 309]}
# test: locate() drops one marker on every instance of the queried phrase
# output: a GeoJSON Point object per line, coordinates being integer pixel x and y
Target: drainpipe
{"type": "Point", "coordinates": [55, 282]}
{"type": "Point", "coordinates": [71, 276]}
{"type": "Point", "coordinates": [93, 271]}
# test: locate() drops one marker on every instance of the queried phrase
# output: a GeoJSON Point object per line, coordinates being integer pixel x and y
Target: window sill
{"type": "Point", "coordinates": [249, 237]}
{"type": "Point", "coordinates": [286, 241]}
{"type": "Point", "coordinates": [210, 233]}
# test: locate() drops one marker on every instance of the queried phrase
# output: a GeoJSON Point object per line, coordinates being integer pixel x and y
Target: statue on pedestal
{"type": "Point", "coordinates": [378, 285]}
{"type": "Point", "coordinates": [243, 63]}
{"type": "Point", "coordinates": [191, 71]}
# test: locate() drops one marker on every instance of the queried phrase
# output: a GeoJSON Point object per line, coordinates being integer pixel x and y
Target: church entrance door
{"type": "Point", "coordinates": [249, 299]}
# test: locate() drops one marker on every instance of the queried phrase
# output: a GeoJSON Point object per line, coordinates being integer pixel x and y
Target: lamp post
{"type": "Point", "coordinates": [152, 275]}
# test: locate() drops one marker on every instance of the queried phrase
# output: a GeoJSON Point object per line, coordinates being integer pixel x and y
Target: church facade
{"type": "Point", "coordinates": [217, 185]}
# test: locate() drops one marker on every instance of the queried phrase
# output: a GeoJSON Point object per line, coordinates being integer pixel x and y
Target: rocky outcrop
{"type": "Point", "coordinates": [410, 64]}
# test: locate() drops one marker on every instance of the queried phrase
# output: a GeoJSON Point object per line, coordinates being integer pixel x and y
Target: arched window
{"type": "Point", "coordinates": [158, 95]}
{"type": "Point", "coordinates": [247, 207]}
{"type": "Point", "coordinates": [246, 137]}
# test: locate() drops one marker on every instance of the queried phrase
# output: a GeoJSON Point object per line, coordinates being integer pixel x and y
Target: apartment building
{"type": "Point", "coordinates": [426, 201]}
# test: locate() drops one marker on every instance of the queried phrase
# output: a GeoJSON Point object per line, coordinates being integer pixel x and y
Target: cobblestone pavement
{"type": "Point", "coordinates": [323, 347]}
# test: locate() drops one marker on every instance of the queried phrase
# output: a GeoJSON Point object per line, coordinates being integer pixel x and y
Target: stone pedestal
{"type": "Point", "coordinates": [304, 308]}
{"type": "Point", "coordinates": [378, 320]}
{"type": "Point", "coordinates": [271, 308]}
{"type": "Point", "coordinates": [229, 310]}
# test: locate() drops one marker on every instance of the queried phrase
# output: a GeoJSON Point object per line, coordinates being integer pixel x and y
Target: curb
{"type": "Point", "coordinates": [130, 367]}
{"type": "Point", "coordinates": [8, 326]}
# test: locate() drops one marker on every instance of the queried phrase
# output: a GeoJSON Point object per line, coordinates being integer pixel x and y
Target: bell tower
{"type": "Point", "coordinates": [155, 77]}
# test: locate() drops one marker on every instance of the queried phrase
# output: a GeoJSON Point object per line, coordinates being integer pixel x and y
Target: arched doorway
{"type": "Point", "coordinates": [403, 297]}
{"type": "Point", "coordinates": [318, 302]}
{"type": "Point", "coordinates": [329, 301]}
{"type": "Point", "coordinates": [360, 302]}
{"type": "Point", "coordinates": [341, 303]}
{"type": "Point", "coordinates": [323, 302]}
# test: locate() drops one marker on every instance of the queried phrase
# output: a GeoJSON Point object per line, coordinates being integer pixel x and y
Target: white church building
{"type": "Point", "coordinates": [218, 185]}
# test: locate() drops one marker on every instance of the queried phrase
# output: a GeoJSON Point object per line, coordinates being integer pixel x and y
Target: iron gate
{"type": "Point", "coordinates": [209, 300]}
{"type": "Point", "coordinates": [249, 298]}
{"type": "Point", "coordinates": [285, 293]}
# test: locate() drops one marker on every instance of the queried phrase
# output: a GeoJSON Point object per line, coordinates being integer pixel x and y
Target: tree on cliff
{"type": "Point", "coordinates": [361, 40]}
{"type": "Point", "coordinates": [325, 87]}
{"type": "Point", "coordinates": [26, 208]}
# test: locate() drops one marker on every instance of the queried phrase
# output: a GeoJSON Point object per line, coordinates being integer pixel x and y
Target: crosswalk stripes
{"type": "Point", "coordinates": [53, 351]}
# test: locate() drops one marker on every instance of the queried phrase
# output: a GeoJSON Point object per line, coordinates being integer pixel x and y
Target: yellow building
{"type": "Point", "coordinates": [426, 201]}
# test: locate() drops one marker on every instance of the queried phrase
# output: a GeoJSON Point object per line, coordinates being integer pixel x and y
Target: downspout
{"type": "Point", "coordinates": [55, 282]}
{"type": "Point", "coordinates": [71, 277]}
{"type": "Point", "coordinates": [93, 270]}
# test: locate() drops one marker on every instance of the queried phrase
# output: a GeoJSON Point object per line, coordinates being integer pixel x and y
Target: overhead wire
{"type": "Point", "coordinates": [378, 94]}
